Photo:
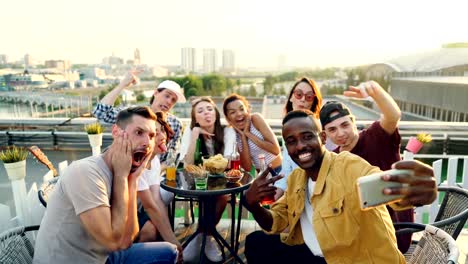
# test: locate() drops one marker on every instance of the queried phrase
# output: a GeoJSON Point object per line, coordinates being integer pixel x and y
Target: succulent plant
{"type": "Point", "coordinates": [13, 154]}
{"type": "Point", "coordinates": [94, 128]}
{"type": "Point", "coordinates": [424, 137]}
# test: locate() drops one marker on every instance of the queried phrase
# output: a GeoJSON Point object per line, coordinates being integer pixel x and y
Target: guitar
{"type": "Point", "coordinates": [42, 158]}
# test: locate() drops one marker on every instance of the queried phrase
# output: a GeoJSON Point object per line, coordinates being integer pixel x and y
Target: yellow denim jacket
{"type": "Point", "coordinates": [346, 234]}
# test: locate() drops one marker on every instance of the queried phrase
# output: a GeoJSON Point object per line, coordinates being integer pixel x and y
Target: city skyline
{"type": "Point", "coordinates": [305, 33]}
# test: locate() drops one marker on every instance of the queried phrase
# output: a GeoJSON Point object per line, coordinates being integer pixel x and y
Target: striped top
{"type": "Point", "coordinates": [254, 149]}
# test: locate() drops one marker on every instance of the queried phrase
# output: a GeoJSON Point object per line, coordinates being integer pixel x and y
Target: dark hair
{"type": "Point", "coordinates": [152, 97]}
{"type": "Point", "coordinates": [301, 114]}
{"type": "Point", "coordinates": [125, 116]}
{"type": "Point", "coordinates": [231, 98]}
{"type": "Point", "coordinates": [315, 108]}
{"type": "Point", "coordinates": [218, 128]}
{"type": "Point", "coordinates": [161, 119]}
{"type": "Point", "coordinates": [334, 107]}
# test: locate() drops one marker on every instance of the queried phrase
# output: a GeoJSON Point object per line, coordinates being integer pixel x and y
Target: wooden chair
{"type": "Point", "coordinates": [16, 247]}
{"type": "Point", "coordinates": [435, 246]}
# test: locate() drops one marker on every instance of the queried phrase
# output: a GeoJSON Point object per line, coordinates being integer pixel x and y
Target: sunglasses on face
{"type": "Point", "coordinates": [298, 94]}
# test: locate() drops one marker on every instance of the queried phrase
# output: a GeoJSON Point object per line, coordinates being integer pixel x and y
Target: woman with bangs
{"type": "Point", "coordinates": [304, 95]}
{"type": "Point", "coordinates": [214, 138]}
{"type": "Point", "coordinates": [153, 220]}
{"type": "Point", "coordinates": [253, 135]}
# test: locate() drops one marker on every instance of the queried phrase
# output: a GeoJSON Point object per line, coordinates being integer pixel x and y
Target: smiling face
{"type": "Point", "coordinates": [204, 114]}
{"type": "Point", "coordinates": [303, 140]}
{"type": "Point", "coordinates": [302, 96]}
{"type": "Point", "coordinates": [342, 132]}
{"type": "Point", "coordinates": [141, 133]}
{"type": "Point", "coordinates": [237, 113]}
{"type": "Point", "coordinates": [163, 101]}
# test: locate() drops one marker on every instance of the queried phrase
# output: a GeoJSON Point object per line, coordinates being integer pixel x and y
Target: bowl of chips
{"type": "Point", "coordinates": [216, 164]}
{"type": "Point", "coordinates": [233, 175]}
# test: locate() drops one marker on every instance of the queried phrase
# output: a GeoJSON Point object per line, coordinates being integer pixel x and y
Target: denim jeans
{"type": "Point", "coordinates": [145, 253]}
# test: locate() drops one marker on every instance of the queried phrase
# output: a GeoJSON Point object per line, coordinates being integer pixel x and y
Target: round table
{"type": "Point", "coordinates": [217, 185]}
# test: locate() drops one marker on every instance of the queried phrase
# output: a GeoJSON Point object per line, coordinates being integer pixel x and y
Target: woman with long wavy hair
{"type": "Point", "coordinates": [305, 94]}
{"type": "Point", "coordinates": [214, 138]}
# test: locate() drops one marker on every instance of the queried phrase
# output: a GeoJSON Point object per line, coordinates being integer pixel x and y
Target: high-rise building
{"type": "Point", "coordinates": [209, 60]}
{"type": "Point", "coordinates": [229, 62]}
{"type": "Point", "coordinates": [188, 60]}
{"type": "Point", "coordinates": [136, 57]}
{"type": "Point", "coordinates": [3, 59]}
{"type": "Point", "coordinates": [27, 61]}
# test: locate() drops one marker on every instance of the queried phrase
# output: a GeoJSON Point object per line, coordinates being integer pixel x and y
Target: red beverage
{"type": "Point", "coordinates": [267, 200]}
{"type": "Point", "coordinates": [235, 164]}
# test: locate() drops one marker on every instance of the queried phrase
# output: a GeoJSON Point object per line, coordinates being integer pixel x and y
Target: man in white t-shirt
{"type": "Point", "coordinates": [154, 220]}
{"type": "Point", "coordinates": [91, 214]}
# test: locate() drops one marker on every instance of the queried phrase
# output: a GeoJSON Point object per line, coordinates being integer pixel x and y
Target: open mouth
{"type": "Point", "coordinates": [138, 158]}
{"type": "Point", "coordinates": [164, 108]}
{"type": "Point", "coordinates": [240, 122]}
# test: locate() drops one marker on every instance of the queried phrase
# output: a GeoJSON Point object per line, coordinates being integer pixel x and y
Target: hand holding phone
{"type": "Point", "coordinates": [370, 188]}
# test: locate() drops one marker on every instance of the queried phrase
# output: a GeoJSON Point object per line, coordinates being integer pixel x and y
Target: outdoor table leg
{"type": "Point", "coordinates": [233, 219]}
{"type": "Point", "coordinates": [172, 213]}
{"type": "Point", "coordinates": [239, 219]}
{"type": "Point", "coordinates": [206, 217]}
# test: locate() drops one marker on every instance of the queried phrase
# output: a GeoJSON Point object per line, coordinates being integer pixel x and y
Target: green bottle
{"type": "Point", "coordinates": [253, 171]}
{"type": "Point", "coordinates": [197, 156]}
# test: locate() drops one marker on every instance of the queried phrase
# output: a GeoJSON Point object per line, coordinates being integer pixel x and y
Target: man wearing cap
{"type": "Point", "coordinates": [166, 95]}
{"type": "Point", "coordinates": [379, 144]}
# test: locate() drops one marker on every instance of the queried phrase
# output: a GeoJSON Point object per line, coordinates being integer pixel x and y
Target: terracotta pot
{"type": "Point", "coordinates": [95, 140]}
{"type": "Point", "coordinates": [414, 145]}
{"type": "Point", "coordinates": [16, 170]}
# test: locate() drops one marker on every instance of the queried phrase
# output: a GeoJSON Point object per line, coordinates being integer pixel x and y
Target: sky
{"type": "Point", "coordinates": [308, 33]}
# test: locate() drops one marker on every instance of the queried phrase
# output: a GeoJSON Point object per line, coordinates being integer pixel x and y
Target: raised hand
{"type": "Point", "coordinates": [420, 188]}
{"type": "Point", "coordinates": [198, 130]}
{"type": "Point", "coordinates": [121, 155]}
{"type": "Point", "coordinates": [261, 187]}
{"type": "Point", "coordinates": [131, 77]}
{"type": "Point", "coordinates": [364, 90]}
{"type": "Point", "coordinates": [247, 124]}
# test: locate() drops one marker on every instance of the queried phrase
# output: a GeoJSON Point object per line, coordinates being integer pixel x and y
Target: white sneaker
{"type": "Point", "coordinates": [192, 250]}
{"type": "Point", "coordinates": [212, 251]}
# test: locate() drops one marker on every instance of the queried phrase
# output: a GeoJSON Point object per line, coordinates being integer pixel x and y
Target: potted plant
{"type": "Point", "coordinates": [416, 143]}
{"type": "Point", "coordinates": [94, 131]}
{"type": "Point", "coordinates": [14, 160]}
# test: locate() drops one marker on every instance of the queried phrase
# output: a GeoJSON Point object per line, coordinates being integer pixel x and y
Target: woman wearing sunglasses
{"type": "Point", "coordinates": [304, 94]}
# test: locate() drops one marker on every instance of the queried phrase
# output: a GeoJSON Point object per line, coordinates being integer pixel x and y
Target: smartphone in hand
{"type": "Point", "coordinates": [370, 188]}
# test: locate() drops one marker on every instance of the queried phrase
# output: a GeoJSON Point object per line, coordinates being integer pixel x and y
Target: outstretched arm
{"type": "Point", "coordinates": [129, 79]}
{"type": "Point", "coordinates": [391, 113]}
{"type": "Point", "coordinates": [421, 187]}
{"type": "Point", "coordinates": [157, 213]}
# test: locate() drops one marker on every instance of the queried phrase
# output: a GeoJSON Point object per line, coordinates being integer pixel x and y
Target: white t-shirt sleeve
{"type": "Point", "coordinates": [154, 175]}
{"type": "Point", "coordinates": [229, 141]}
{"type": "Point", "coordinates": [150, 177]}
{"type": "Point", "coordinates": [142, 183]}
{"type": "Point", "coordinates": [185, 143]}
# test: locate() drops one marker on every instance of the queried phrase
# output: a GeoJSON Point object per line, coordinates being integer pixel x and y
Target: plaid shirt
{"type": "Point", "coordinates": [108, 114]}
